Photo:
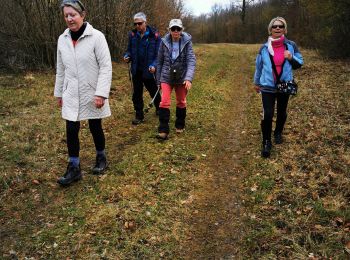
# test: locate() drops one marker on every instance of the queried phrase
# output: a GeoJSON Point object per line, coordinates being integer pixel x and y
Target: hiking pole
{"type": "Point", "coordinates": [151, 103]}
{"type": "Point", "coordinates": [130, 79]}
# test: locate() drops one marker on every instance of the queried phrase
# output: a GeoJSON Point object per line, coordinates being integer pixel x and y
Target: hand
{"type": "Point", "coordinates": [59, 101]}
{"type": "Point", "coordinates": [99, 101]}
{"type": "Point", "coordinates": [257, 88]}
{"type": "Point", "coordinates": [287, 55]}
{"type": "Point", "coordinates": [152, 69]}
{"type": "Point", "coordinates": [126, 59]}
{"type": "Point", "coordinates": [187, 84]}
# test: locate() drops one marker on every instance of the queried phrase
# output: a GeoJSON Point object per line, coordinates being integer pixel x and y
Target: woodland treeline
{"type": "Point", "coordinates": [319, 24]}
{"type": "Point", "coordinates": [29, 29]}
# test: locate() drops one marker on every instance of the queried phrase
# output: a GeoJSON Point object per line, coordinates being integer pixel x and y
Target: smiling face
{"type": "Point", "coordinates": [277, 29]}
{"type": "Point", "coordinates": [73, 18]}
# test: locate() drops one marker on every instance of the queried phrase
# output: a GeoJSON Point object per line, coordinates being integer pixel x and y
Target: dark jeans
{"type": "Point", "coordinates": [72, 130]}
{"type": "Point", "coordinates": [137, 97]}
{"type": "Point", "coordinates": [269, 100]}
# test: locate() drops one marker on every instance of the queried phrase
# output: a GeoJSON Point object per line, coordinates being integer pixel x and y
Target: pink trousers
{"type": "Point", "coordinates": [180, 92]}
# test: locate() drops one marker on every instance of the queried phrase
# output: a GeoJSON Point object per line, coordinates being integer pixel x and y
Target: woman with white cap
{"type": "Point", "coordinates": [274, 64]}
{"type": "Point", "coordinates": [83, 80]}
{"type": "Point", "coordinates": [175, 70]}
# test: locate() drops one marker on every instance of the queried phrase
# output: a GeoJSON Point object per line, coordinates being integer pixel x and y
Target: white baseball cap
{"type": "Point", "coordinates": [175, 22]}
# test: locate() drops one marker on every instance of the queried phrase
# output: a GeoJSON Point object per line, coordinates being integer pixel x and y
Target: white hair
{"type": "Point", "coordinates": [141, 16]}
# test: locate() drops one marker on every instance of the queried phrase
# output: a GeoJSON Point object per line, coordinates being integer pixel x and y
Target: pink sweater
{"type": "Point", "coordinates": [278, 58]}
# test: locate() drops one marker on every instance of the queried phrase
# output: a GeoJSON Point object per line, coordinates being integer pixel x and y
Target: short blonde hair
{"type": "Point", "coordinates": [278, 18]}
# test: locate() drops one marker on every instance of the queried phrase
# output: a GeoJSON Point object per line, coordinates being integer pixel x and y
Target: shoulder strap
{"type": "Point", "coordinates": [278, 76]}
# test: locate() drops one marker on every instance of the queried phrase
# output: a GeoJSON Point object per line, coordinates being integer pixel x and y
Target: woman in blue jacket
{"type": "Point", "coordinates": [286, 57]}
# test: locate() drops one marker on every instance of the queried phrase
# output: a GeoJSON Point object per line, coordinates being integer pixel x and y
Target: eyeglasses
{"type": "Point", "coordinates": [281, 26]}
{"type": "Point", "coordinates": [176, 28]}
{"type": "Point", "coordinates": [139, 23]}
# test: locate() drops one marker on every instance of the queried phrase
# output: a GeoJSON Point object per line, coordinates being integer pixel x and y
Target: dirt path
{"type": "Point", "coordinates": [214, 223]}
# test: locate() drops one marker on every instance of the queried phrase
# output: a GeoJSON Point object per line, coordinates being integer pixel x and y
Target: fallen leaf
{"type": "Point", "coordinates": [36, 182]}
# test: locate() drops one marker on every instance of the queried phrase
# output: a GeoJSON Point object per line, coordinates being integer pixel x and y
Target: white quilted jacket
{"type": "Point", "coordinates": [83, 71]}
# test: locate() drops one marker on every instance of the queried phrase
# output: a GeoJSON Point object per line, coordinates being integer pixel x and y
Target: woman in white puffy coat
{"type": "Point", "coordinates": [83, 80]}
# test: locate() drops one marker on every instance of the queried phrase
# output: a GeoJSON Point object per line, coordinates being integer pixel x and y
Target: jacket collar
{"type": "Point", "coordinates": [88, 31]}
{"type": "Point", "coordinates": [185, 38]}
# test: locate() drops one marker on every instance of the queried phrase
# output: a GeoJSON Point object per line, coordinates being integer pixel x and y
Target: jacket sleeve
{"type": "Point", "coordinates": [297, 59]}
{"type": "Point", "coordinates": [160, 62]}
{"type": "Point", "coordinates": [158, 40]}
{"type": "Point", "coordinates": [258, 69]}
{"type": "Point", "coordinates": [191, 62]}
{"type": "Point", "coordinates": [59, 75]}
{"type": "Point", "coordinates": [103, 58]}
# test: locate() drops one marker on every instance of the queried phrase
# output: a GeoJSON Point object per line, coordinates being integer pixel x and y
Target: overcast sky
{"type": "Point", "coordinates": [198, 7]}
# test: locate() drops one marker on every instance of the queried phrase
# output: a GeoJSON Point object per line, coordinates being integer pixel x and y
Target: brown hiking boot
{"type": "Point", "coordinates": [162, 136]}
{"type": "Point", "coordinates": [180, 130]}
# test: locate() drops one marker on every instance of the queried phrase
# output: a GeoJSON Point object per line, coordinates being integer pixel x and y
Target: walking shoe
{"type": "Point", "coordinates": [137, 121]}
{"type": "Point", "coordinates": [266, 149]}
{"type": "Point", "coordinates": [100, 166]}
{"type": "Point", "coordinates": [278, 138]}
{"type": "Point", "coordinates": [179, 130]}
{"type": "Point", "coordinates": [162, 136]}
{"type": "Point", "coordinates": [72, 174]}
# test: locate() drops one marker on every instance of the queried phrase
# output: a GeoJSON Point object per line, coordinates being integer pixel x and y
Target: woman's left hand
{"type": "Point", "coordinates": [287, 55]}
{"type": "Point", "coordinates": [99, 101]}
{"type": "Point", "coordinates": [187, 84]}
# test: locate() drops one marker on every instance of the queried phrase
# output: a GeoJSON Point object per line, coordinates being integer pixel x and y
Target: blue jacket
{"type": "Point", "coordinates": [186, 58]}
{"type": "Point", "coordinates": [151, 45]}
{"type": "Point", "coordinates": [263, 76]}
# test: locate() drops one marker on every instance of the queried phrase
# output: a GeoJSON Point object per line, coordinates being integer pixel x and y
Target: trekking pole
{"type": "Point", "coordinates": [152, 101]}
{"type": "Point", "coordinates": [130, 79]}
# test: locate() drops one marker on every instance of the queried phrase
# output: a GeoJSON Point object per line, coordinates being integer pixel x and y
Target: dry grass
{"type": "Point", "coordinates": [295, 204]}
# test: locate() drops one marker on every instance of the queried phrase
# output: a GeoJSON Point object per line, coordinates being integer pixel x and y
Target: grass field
{"type": "Point", "coordinates": [204, 194]}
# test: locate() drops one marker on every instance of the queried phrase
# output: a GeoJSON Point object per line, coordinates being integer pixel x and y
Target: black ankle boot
{"type": "Point", "coordinates": [180, 118]}
{"type": "Point", "coordinates": [266, 149]}
{"type": "Point", "coordinates": [101, 165]}
{"type": "Point", "coordinates": [278, 138]}
{"type": "Point", "coordinates": [164, 117]}
{"type": "Point", "coordinates": [72, 174]}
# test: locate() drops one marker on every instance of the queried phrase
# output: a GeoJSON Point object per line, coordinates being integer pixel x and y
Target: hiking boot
{"type": "Point", "coordinates": [72, 174]}
{"type": "Point", "coordinates": [137, 121]}
{"type": "Point", "coordinates": [266, 149]}
{"type": "Point", "coordinates": [278, 138]}
{"type": "Point", "coordinates": [179, 130]}
{"type": "Point", "coordinates": [162, 136]}
{"type": "Point", "coordinates": [100, 166]}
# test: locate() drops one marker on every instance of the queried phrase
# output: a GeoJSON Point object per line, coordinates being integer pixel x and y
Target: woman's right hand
{"type": "Point", "coordinates": [59, 101]}
{"type": "Point", "coordinates": [257, 88]}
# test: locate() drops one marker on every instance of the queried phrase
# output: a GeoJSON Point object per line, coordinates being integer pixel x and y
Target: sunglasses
{"type": "Point", "coordinates": [281, 26]}
{"type": "Point", "coordinates": [139, 23]}
{"type": "Point", "coordinates": [176, 28]}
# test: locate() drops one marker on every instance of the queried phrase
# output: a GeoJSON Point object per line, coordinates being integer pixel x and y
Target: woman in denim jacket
{"type": "Point", "coordinates": [286, 57]}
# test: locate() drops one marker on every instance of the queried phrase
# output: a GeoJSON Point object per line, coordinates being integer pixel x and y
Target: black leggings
{"type": "Point", "coordinates": [269, 100]}
{"type": "Point", "coordinates": [72, 130]}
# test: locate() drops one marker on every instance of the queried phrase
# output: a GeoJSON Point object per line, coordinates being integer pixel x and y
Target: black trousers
{"type": "Point", "coordinates": [72, 130]}
{"type": "Point", "coordinates": [137, 97]}
{"type": "Point", "coordinates": [269, 100]}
